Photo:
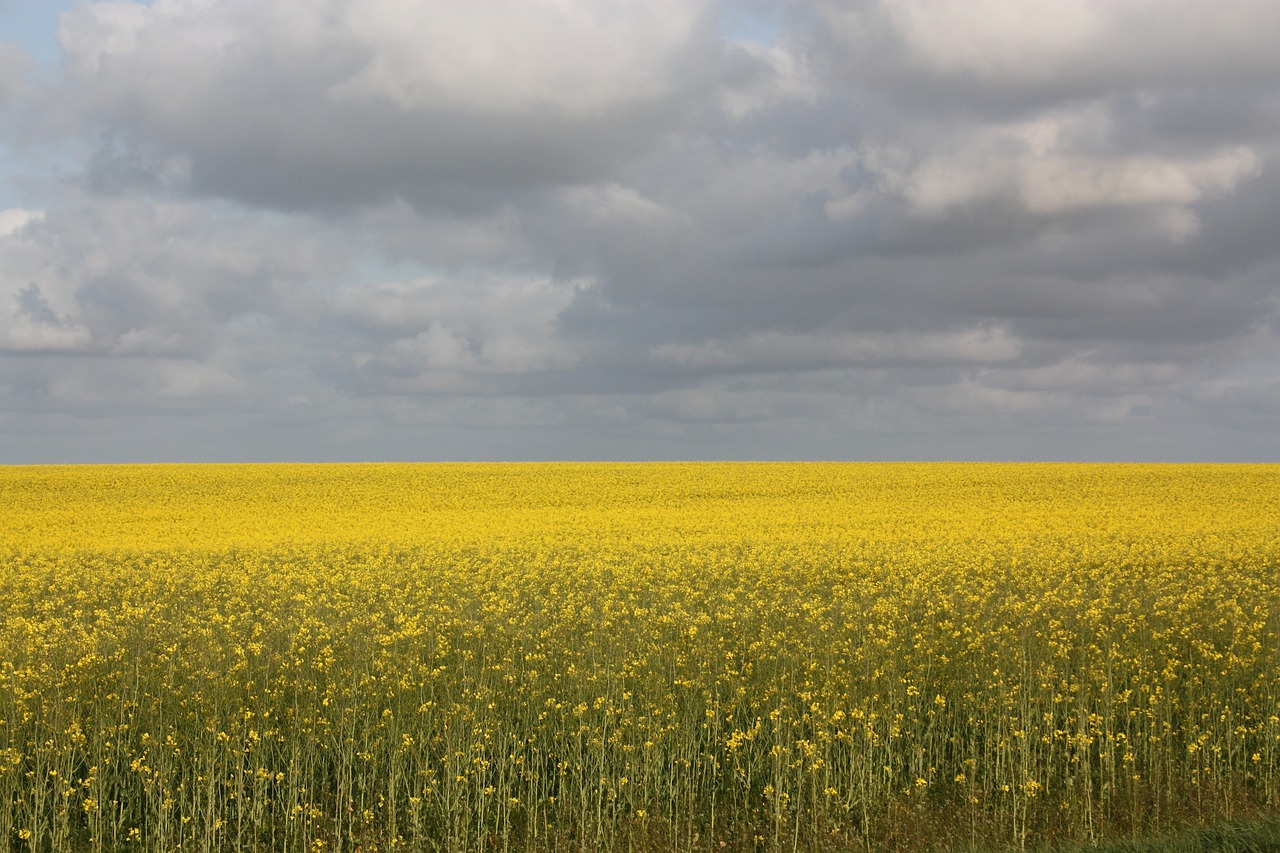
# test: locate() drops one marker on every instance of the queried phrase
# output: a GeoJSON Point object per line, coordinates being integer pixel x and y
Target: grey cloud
{"type": "Point", "coordinates": [333, 104]}
{"type": "Point", "coordinates": [359, 230]}
{"type": "Point", "coordinates": [137, 307]}
{"type": "Point", "coordinates": [1250, 405]}
{"type": "Point", "coordinates": [35, 307]}
{"type": "Point", "coordinates": [774, 351]}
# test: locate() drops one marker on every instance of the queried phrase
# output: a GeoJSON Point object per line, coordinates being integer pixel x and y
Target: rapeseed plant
{"type": "Point", "coordinates": [661, 655]}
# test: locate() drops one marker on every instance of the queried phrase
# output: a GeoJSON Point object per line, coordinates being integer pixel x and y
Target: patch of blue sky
{"type": "Point", "coordinates": [754, 23]}
{"type": "Point", "coordinates": [34, 25]}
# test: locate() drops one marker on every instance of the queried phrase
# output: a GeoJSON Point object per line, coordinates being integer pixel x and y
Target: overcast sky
{"type": "Point", "coordinates": [244, 230]}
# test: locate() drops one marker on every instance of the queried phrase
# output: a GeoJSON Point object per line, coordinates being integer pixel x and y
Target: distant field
{"type": "Point", "coordinates": [634, 656]}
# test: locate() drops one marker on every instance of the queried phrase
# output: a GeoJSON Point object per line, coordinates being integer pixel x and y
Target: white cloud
{"type": "Point", "coordinates": [1066, 46]}
{"type": "Point", "coordinates": [1042, 166]}
{"type": "Point", "coordinates": [614, 203]}
{"type": "Point", "coordinates": [1050, 185]}
{"type": "Point", "coordinates": [94, 33]}
{"type": "Point", "coordinates": [111, 387]}
{"type": "Point", "coordinates": [567, 57]}
{"type": "Point", "coordinates": [993, 38]}
{"type": "Point", "coordinates": [490, 326]}
{"type": "Point", "coordinates": [20, 334]}
{"type": "Point", "coordinates": [14, 219]}
{"type": "Point", "coordinates": [775, 351]}
{"type": "Point", "coordinates": [769, 75]}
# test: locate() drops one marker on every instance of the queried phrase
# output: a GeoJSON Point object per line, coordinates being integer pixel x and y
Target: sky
{"type": "Point", "coordinates": [349, 230]}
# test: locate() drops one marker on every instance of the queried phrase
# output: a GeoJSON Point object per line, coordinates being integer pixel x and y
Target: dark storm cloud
{"type": "Point", "coordinates": [633, 229]}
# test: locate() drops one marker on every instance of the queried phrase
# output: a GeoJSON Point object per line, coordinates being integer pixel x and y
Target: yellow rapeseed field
{"type": "Point", "coordinates": [642, 656]}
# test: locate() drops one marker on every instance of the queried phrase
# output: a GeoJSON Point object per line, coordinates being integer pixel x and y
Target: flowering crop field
{"type": "Point", "coordinates": [634, 656]}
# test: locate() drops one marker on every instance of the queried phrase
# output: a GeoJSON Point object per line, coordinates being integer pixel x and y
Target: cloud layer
{"type": "Point", "coordinates": [358, 229]}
